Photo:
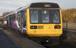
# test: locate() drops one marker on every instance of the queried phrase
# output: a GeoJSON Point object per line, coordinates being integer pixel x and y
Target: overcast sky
{"type": "Point", "coordinates": [8, 5]}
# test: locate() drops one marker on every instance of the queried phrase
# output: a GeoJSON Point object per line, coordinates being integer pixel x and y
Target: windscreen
{"type": "Point", "coordinates": [44, 16]}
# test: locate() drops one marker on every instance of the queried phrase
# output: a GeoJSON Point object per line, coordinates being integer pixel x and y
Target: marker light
{"type": "Point", "coordinates": [57, 26]}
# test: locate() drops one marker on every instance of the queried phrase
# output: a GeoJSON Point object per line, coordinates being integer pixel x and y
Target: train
{"type": "Point", "coordinates": [41, 21]}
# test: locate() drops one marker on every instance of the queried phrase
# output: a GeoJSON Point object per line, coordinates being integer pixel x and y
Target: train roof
{"type": "Point", "coordinates": [44, 5]}
{"type": "Point", "coordinates": [10, 13]}
{"type": "Point", "coordinates": [21, 9]}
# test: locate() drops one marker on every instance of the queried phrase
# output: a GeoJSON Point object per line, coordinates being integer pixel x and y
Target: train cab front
{"type": "Point", "coordinates": [44, 22]}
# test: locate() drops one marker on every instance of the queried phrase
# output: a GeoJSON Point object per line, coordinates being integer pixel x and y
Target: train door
{"type": "Point", "coordinates": [21, 21]}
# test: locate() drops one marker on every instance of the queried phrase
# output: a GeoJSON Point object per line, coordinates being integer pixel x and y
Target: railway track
{"type": "Point", "coordinates": [5, 41]}
{"type": "Point", "coordinates": [23, 42]}
{"type": "Point", "coordinates": [70, 42]}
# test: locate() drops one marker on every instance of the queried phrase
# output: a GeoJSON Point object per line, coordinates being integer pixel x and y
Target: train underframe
{"type": "Point", "coordinates": [50, 40]}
